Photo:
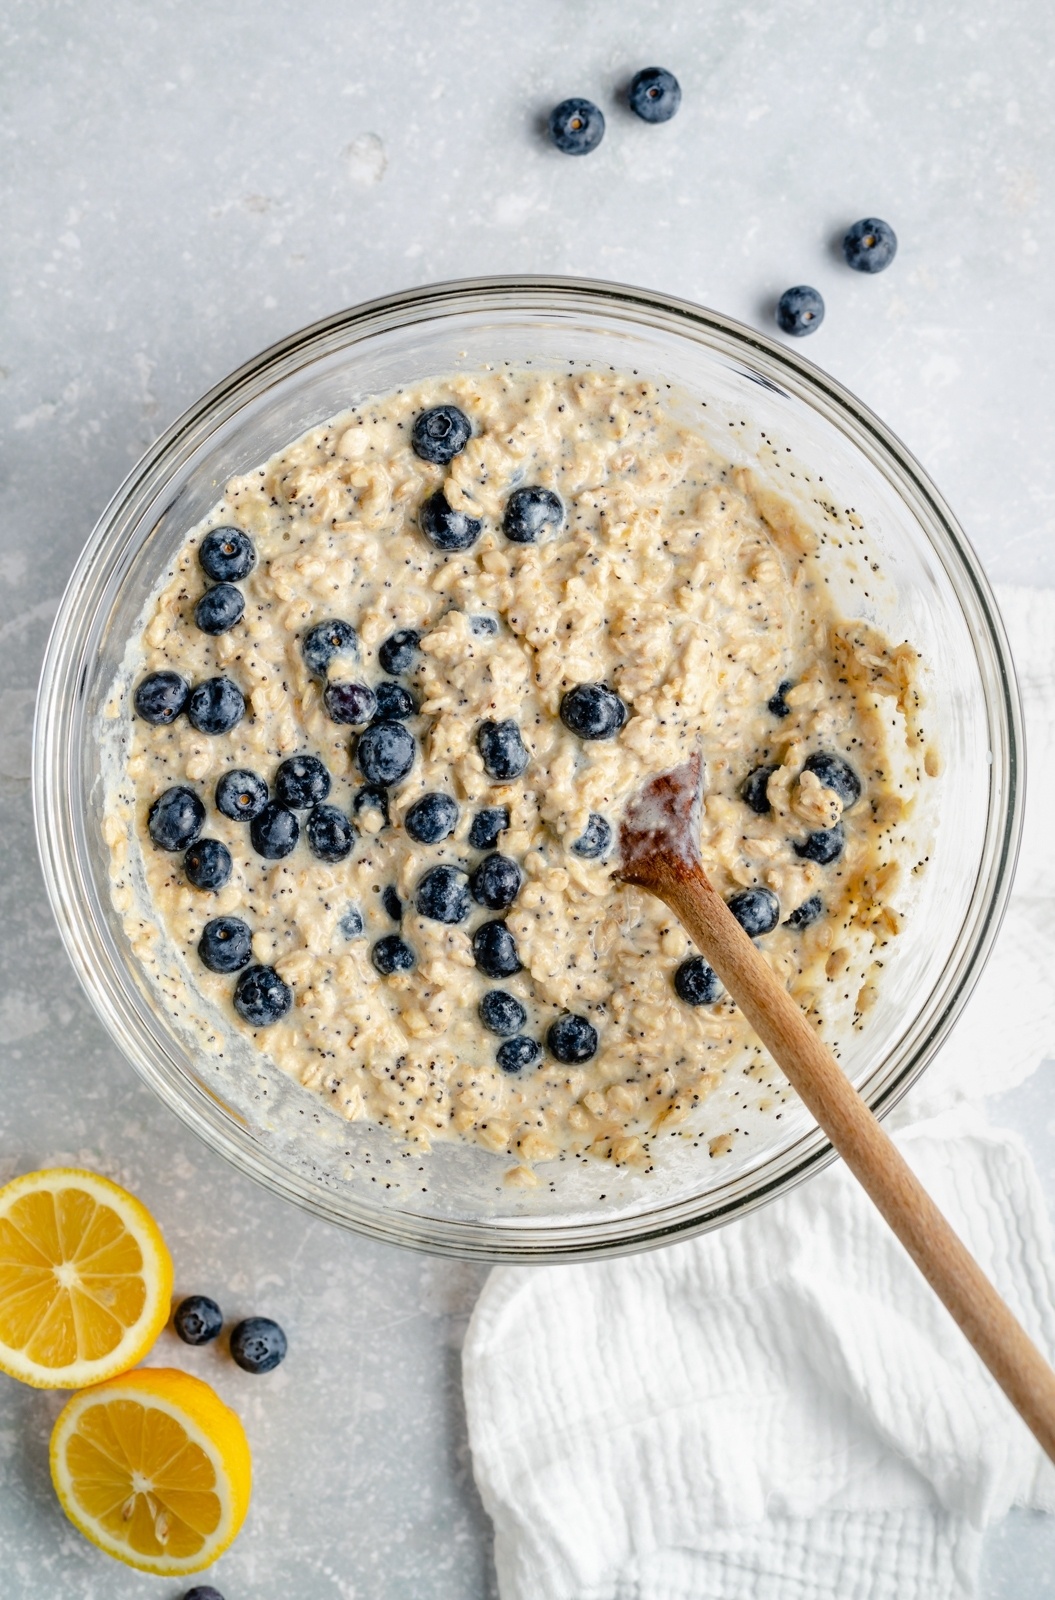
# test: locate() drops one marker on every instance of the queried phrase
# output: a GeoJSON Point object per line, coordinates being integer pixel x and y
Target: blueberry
{"type": "Point", "coordinates": [515, 1054]}
{"type": "Point", "coordinates": [300, 782]}
{"type": "Point", "coordinates": [215, 706]}
{"type": "Point", "coordinates": [160, 697]}
{"type": "Point", "coordinates": [487, 825]}
{"type": "Point", "coordinates": [655, 94]}
{"type": "Point", "coordinates": [756, 910]}
{"type": "Point", "coordinates": [595, 840]}
{"type": "Point", "coordinates": [870, 245]}
{"type": "Point", "coordinates": [446, 528]}
{"type": "Point", "coordinates": [394, 703]}
{"type": "Point", "coordinates": [800, 311]}
{"type": "Point", "coordinates": [392, 904]}
{"type": "Point", "coordinates": [219, 609]}
{"type": "Point", "coordinates": [753, 790]}
{"type": "Point", "coordinates": [496, 882]}
{"type": "Point", "coordinates": [370, 799]}
{"type": "Point", "coordinates": [576, 126]}
{"type": "Point", "coordinates": [385, 752]}
{"type": "Point", "coordinates": [352, 704]}
{"type": "Point", "coordinates": [776, 703]}
{"type": "Point", "coordinates": [330, 834]}
{"type": "Point", "coordinates": [327, 640]}
{"type": "Point", "coordinates": [226, 555]}
{"type": "Point", "coordinates": [176, 819]}
{"type": "Point", "coordinates": [529, 512]}
{"type": "Point", "coordinates": [207, 864]}
{"type": "Point", "coordinates": [198, 1319]}
{"type": "Point", "coordinates": [392, 954]}
{"type": "Point", "coordinates": [805, 915]}
{"type": "Point", "coordinates": [258, 1345]}
{"type": "Point", "coordinates": [432, 818]}
{"type": "Point", "coordinates": [226, 944]}
{"type": "Point", "coordinates": [443, 895]}
{"type": "Point", "coordinates": [572, 1039]}
{"type": "Point", "coordinates": [592, 711]}
{"type": "Point", "coordinates": [495, 950]}
{"type": "Point", "coordinates": [484, 627]}
{"type": "Point", "coordinates": [502, 748]}
{"type": "Point", "coordinates": [440, 434]}
{"type": "Point", "coordinates": [261, 997]}
{"type": "Point", "coordinates": [241, 795]}
{"type": "Point", "coordinates": [351, 924]}
{"type": "Point", "coordinates": [502, 1013]}
{"type": "Point", "coordinates": [824, 846]}
{"type": "Point", "coordinates": [397, 653]}
{"type": "Point", "coordinates": [697, 983]}
{"type": "Point", "coordinates": [203, 1591]}
{"type": "Point", "coordinates": [837, 774]}
{"type": "Point", "coordinates": [274, 831]}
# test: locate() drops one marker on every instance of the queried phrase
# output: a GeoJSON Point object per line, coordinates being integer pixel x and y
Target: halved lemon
{"type": "Point", "coordinates": [154, 1469]}
{"type": "Point", "coordinates": [85, 1279]}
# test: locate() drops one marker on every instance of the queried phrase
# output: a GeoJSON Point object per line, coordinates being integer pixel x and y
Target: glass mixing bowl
{"type": "Point", "coordinates": [764, 405]}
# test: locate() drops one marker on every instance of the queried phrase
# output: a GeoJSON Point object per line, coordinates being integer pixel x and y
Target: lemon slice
{"type": "Point", "coordinates": [85, 1279]}
{"type": "Point", "coordinates": [154, 1469]}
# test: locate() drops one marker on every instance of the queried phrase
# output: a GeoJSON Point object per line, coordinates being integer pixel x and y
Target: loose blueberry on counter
{"type": "Point", "coordinates": [215, 706]}
{"type": "Point", "coordinates": [504, 753]}
{"type": "Point", "coordinates": [870, 245]}
{"type": "Point", "coordinates": [487, 825]}
{"type": "Point", "coordinates": [261, 998]}
{"type": "Point", "coordinates": [495, 950]}
{"type": "Point", "coordinates": [837, 774]}
{"type": "Point", "coordinates": [330, 834]}
{"type": "Point", "coordinates": [385, 752]}
{"type": "Point", "coordinates": [824, 846]}
{"type": "Point", "coordinates": [496, 882]}
{"type": "Point", "coordinates": [446, 528]}
{"type": "Point", "coordinates": [595, 840]}
{"type": "Point", "coordinates": [515, 1054]}
{"type": "Point", "coordinates": [484, 627]}
{"type": "Point", "coordinates": [432, 818]}
{"type": "Point", "coordinates": [198, 1319]}
{"type": "Point", "coordinates": [226, 944]}
{"type": "Point", "coordinates": [219, 609]}
{"type": "Point", "coordinates": [593, 711]}
{"type": "Point", "coordinates": [203, 1591]}
{"type": "Point", "coordinates": [655, 94]}
{"type": "Point", "coordinates": [394, 703]}
{"type": "Point", "coordinates": [572, 1039]}
{"type": "Point", "coordinates": [371, 799]}
{"type": "Point", "coordinates": [529, 512]}
{"type": "Point", "coordinates": [576, 126]}
{"type": "Point", "coordinates": [160, 697]}
{"type": "Point", "coordinates": [756, 910]}
{"type": "Point", "coordinates": [227, 555]}
{"type": "Point", "coordinates": [800, 311]}
{"type": "Point", "coordinates": [397, 653]}
{"type": "Point", "coordinates": [176, 819]}
{"type": "Point", "coordinates": [440, 434]}
{"type": "Point", "coordinates": [392, 904]}
{"type": "Point", "coordinates": [753, 790]}
{"type": "Point", "coordinates": [274, 831]}
{"type": "Point", "coordinates": [327, 640]}
{"type": "Point", "coordinates": [392, 954]}
{"type": "Point", "coordinates": [502, 1013]}
{"type": "Point", "coordinates": [301, 781]}
{"type": "Point", "coordinates": [258, 1345]}
{"type": "Point", "coordinates": [443, 895]}
{"type": "Point", "coordinates": [351, 924]}
{"type": "Point", "coordinates": [776, 703]}
{"type": "Point", "coordinates": [805, 915]}
{"type": "Point", "coordinates": [697, 983]}
{"type": "Point", "coordinates": [207, 864]}
{"type": "Point", "coordinates": [352, 704]}
{"type": "Point", "coordinates": [241, 795]}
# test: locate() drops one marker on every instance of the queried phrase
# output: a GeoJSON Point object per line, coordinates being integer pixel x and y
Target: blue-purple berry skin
{"type": "Point", "coordinates": [800, 311]}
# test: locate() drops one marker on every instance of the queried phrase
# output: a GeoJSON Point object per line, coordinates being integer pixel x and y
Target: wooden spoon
{"type": "Point", "coordinates": [659, 841]}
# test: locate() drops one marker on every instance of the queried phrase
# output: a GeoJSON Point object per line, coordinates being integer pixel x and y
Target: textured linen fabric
{"type": "Point", "coordinates": [782, 1410]}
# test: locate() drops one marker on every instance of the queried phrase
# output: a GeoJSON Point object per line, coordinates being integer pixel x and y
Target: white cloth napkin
{"type": "Point", "coordinates": [781, 1410]}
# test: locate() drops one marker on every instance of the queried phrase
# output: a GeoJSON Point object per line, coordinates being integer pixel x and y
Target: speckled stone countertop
{"type": "Point", "coordinates": [183, 183]}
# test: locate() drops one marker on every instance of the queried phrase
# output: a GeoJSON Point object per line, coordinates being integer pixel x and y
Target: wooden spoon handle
{"type": "Point", "coordinates": [950, 1269]}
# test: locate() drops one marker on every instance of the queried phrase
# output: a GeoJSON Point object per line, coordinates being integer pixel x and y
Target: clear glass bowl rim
{"type": "Point", "coordinates": [65, 672]}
